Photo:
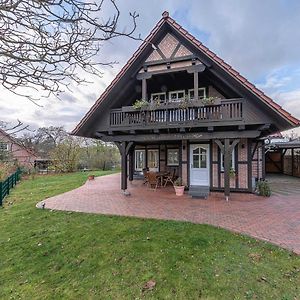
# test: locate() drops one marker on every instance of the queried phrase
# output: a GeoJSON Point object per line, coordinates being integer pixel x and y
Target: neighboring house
{"type": "Point", "coordinates": [204, 119]}
{"type": "Point", "coordinates": [24, 156]}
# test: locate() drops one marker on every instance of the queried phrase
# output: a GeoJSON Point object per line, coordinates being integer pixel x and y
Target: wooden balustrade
{"type": "Point", "coordinates": [226, 110]}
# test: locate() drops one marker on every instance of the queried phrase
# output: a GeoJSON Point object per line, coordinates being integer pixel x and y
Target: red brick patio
{"type": "Point", "coordinates": [275, 219]}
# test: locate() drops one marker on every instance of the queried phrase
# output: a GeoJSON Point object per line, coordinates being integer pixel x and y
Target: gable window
{"type": "Point", "coordinates": [159, 96]}
{"type": "Point", "coordinates": [232, 164]}
{"type": "Point", "coordinates": [201, 93]}
{"type": "Point", "coordinates": [3, 146]}
{"type": "Point", "coordinates": [176, 96]}
{"type": "Point", "coordinates": [173, 157]}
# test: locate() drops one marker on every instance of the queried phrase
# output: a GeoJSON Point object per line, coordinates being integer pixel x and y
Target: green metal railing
{"type": "Point", "coordinates": [8, 184]}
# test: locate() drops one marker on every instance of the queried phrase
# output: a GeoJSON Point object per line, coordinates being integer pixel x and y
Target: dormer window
{"type": "Point", "coordinates": [162, 97]}
{"type": "Point", "coordinates": [176, 96]}
{"type": "Point", "coordinates": [201, 93]}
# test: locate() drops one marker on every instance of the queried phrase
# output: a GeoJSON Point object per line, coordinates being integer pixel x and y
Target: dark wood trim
{"type": "Point", "coordinates": [242, 162]}
{"type": "Point", "coordinates": [168, 60]}
{"type": "Point", "coordinates": [249, 146]}
{"type": "Point", "coordinates": [178, 136]}
{"type": "Point", "coordinates": [210, 165]}
{"type": "Point", "coordinates": [254, 150]}
{"type": "Point", "coordinates": [263, 162]}
{"type": "Point", "coordinates": [175, 50]}
{"type": "Point", "coordinates": [236, 166]}
{"type": "Point", "coordinates": [219, 167]}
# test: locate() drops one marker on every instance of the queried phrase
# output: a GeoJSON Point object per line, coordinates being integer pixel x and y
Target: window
{"type": "Point", "coordinates": [232, 161]}
{"type": "Point", "coordinates": [175, 96]}
{"type": "Point", "coordinates": [159, 96]}
{"type": "Point", "coordinates": [173, 157]}
{"type": "Point", "coordinates": [201, 93]}
{"type": "Point", "coordinates": [3, 146]}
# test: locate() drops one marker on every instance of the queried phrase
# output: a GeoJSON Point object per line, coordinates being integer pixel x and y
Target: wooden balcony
{"type": "Point", "coordinates": [193, 114]}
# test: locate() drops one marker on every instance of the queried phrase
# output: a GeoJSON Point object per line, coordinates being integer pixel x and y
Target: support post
{"type": "Point", "coordinates": [226, 150]}
{"type": "Point", "coordinates": [196, 88]}
{"type": "Point", "coordinates": [144, 89]}
{"type": "Point", "coordinates": [131, 164]}
{"type": "Point", "coordinates": [292, 161]}
{"type": "Point", "coordinates": [124, 148]}
{"type": "Point", "coordinates": [227, 161]}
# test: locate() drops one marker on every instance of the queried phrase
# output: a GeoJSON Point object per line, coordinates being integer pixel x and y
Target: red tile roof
{"type": "Point", "coordinates": [167, 19]}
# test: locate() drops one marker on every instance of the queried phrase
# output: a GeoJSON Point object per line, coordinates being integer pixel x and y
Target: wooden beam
{"type": "Point", "coordinates": [226, 149]}
{"type": "Point", "coordinates": [179, 136]}
{"type": "Point", "coordinates": [144, 89]}
{"type": "Point", "coordinates": [196, 91]}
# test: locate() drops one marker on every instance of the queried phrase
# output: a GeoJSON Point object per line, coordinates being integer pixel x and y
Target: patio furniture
{"type": "Point", "coordinates": [145, 173]}
{"type": "Point", "coordinates": [153, 180]}
{"type": "Point", "coordinates": [170, 178]}
{"type": "Point", "coordinates": [161, 176]}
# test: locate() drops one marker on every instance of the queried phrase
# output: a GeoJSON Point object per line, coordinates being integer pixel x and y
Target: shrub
{"type": "Point", "coordinates": [263, 188]}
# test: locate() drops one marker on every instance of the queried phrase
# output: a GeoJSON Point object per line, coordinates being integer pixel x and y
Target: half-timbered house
{"type": "Point", "coordinates": [196, 114]}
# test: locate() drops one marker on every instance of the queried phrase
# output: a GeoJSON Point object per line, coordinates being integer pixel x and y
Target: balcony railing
{"type": "Point", "coordinates": [174, 113]}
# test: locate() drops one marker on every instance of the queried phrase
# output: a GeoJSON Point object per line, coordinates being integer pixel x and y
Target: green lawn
{"type": "Point", "coordinates": [59, 255]}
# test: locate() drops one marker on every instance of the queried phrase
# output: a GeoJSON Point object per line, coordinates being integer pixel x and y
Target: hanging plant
{"type": "Point", "coordinates": [232, 172]}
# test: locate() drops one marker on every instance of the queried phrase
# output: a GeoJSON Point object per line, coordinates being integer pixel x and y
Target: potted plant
{"type": "Point", "coordinates": [232, 172]}
{"type": "Point", "coordinates": [179, 187]}
{"type": "Point", "coordinates": [91, 177]}
{"type": "Point", "coordinates": [140, 104]}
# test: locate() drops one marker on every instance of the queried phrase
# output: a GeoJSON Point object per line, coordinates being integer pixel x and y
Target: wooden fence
{"type": "Point", "coordinates": [8, 184]}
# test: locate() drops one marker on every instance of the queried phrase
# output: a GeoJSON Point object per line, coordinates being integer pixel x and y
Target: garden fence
{"type": "Point", "coordinates": [8, 184]}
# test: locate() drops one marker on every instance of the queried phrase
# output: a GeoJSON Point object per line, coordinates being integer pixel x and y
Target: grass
{"type": "Point", "coordinates": [58, 255]}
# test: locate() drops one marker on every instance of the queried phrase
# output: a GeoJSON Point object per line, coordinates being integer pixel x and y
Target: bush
{"type": "Point", "coordinates": [263, 188]}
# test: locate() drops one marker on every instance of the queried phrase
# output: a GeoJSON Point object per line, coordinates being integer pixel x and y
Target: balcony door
{"type": "Point", "coordinates": [199, 164]}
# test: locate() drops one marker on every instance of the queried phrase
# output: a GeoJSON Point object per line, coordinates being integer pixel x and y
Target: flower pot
{"type": "Point", "coordinates": [91, 177]}
{"type": "Point", "coordinates": [179, 190]}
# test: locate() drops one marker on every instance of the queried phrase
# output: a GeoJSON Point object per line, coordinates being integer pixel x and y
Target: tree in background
{"type": "Point", "coordinates": [66, 154]}
{"type": "Point", "coordinates": [46, 45]}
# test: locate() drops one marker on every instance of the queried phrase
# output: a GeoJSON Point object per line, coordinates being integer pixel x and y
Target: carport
{"type": "Point", "coordinates": [283, 158]}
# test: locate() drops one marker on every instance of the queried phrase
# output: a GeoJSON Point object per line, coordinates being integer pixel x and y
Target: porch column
{"type": "Point", "coordinates": [144, 89]}
{"type": "Point", "coordinates": [131, 164]}
{"type": "Point", "coordinates": [226, 150]}
{"type": "Point", "coordinates": [124, 148]}
{"type": "Point", "coordinates": [196, 88]}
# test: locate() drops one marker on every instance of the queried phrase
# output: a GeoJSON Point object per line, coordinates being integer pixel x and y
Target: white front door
{"type": "Point", "coordinates": [199, 164]}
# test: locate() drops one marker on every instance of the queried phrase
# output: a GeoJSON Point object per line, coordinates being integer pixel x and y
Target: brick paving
{"type": "Point", "coordinates": [275, 219]}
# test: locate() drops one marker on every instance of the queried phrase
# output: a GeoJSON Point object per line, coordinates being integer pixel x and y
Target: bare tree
{"type": "Point", "coordinates": [46, 44]}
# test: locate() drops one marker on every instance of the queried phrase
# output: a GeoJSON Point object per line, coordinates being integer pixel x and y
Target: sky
{"type": "Point", "coordinates": [259, 38]}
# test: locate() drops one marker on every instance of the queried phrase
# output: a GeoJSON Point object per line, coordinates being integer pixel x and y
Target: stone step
{"type": "Point", "coordinates": [199, 191]}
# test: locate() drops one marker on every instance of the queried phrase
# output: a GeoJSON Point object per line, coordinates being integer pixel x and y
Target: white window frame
{"type": "Point", "coordinates": [199, 89]}
{"type": "Point", "coordinates": [176, 92]}
{"type": "Point", "coordinates": [153, 95]}
{"type": "Point", "coordinates": [172, 164]}
{"type": "Point", "coordinates": [2, 146]}
{"type": "Point", "coordinates": [232, 161]}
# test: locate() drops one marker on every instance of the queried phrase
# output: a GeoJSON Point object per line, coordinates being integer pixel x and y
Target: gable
{"type": "Point", "coordinates": [171, 41]}
{"type": "Point", "coordinates": [169, 47]}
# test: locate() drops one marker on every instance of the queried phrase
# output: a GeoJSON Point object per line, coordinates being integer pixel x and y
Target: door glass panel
{"type": "Point", "coordinates": [199, 158]}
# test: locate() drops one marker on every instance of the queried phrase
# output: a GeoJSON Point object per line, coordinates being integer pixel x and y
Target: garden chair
{"type": "Point", "coordinates": [153, 180]}
{"type": "Point", "coordinates": [170, 178]}
{"type": "Point", "coordinates": [145, 173]}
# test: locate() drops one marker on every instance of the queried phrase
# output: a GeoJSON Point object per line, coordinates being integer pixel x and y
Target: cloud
{"type": "Point", "coordinates": [259, 38]}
